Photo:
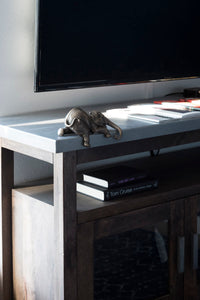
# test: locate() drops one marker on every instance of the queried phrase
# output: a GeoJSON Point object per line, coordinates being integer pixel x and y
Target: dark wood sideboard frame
{"type": "Point", "coordinates": [65, 211]}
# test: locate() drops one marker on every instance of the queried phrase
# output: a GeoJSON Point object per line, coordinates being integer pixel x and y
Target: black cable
{"type": "Point", "coordinates": [154, 153]}
{"type": "Point", "coordinates": [177, 93]}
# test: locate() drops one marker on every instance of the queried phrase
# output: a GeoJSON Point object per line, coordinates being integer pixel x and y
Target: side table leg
{"type": "Point", "coordinates": [65, 224]}
{"type": "Point", "coordinates": [7, 179]}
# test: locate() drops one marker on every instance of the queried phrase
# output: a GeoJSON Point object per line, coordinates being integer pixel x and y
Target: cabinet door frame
{"type": "Point", "coordinates": [91, 231]}
{"type": "Point", "coordinates": [191, 288]}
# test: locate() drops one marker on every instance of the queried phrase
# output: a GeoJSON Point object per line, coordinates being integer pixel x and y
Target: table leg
{"type": "Point", "coordinates": [65, 224]}
{"type": "Point", "coordinates": [7, 179]}
{"type": "Point", "coordinates": [85, 260]}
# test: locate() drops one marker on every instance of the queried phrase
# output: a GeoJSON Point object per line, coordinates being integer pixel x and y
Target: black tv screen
{"type": "Point", "coordinates": [85, 43]}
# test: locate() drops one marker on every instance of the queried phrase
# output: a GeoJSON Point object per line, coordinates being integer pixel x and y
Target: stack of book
{"type": "Point", "coordinates": [159, 111]}
{"type": "Point", "coordinates": [164, 111]}
{"type": "Point", "coordinates": [114, 182]}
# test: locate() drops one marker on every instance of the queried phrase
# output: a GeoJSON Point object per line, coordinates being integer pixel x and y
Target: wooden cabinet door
{"type": "Point", "coordinates": [192, 257]}
{"type": "Point", "coordinates": [135, 255]}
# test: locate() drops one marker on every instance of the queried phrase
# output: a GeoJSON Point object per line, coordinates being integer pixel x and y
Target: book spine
{"type": "Point", "coordinates": [125, 180]}
{"type": "Point", "coordinates": [128, 190]}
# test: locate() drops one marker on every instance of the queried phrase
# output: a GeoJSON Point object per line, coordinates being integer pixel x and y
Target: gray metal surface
{"type": "Point", "coordinates": [40, 130]}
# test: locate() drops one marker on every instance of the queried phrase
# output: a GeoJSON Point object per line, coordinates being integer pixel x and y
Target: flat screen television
{"type": "Point", "coordinates": [88, 43]}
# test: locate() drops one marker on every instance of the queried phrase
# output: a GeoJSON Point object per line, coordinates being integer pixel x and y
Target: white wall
{"type": "Point", "coordinates": [17, 70]}
{"type": "Point", "coordinates": [17, 75]}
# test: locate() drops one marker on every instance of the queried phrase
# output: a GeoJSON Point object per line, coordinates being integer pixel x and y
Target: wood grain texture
{"type": "Point", "coordinates": [39, 130]}
{"type": "Point", "coordinates": [132, 147]}
{"type": "Point", "coordinates": [174, 213]}
{"type": "Point", "coordinates": [176, 229]}
{"type": "Point", "coordinates": [167, 297]}
{"type": "Point", "coordinates": [174, 183]}
{"type": "Point", "coordinates": [6, 178]}
{"type": "Point", "coordinates": [110, 218]}
{"type": "Point", "coordinates": [90, 209]}
{"type": "Point", "coordinates": [130, 221]}
{"type": "Point", "coordinates": [178, 174]}
{"type": "Point", "coordinates": [85, 261]}
{"type": "Point", "coordinates": [65, 226]}
{"type": "Point", "coordinates": [190, 277]}
{"type": "Point", "coordinates": [33, 248]}
{"type": "Point", "coordinates": [28, 150]}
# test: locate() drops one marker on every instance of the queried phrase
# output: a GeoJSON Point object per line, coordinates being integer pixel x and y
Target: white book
{"type": "Point", "coordinates": [118, 113]}
{"type": "Point", "coordinates": [161, 111]}
{"type": "Point", "coordinates": [149, 118]}
{"type": "Point", "coordinates": [176, 113]}
{"type": "Point", "coordinates": [105, 194]}
{"type": "Point", "coordinates": [154, 113]}
{"type": "Point", "coordinates": [156, 109]}
{"type": "Point", "coordinates": [145, 109]}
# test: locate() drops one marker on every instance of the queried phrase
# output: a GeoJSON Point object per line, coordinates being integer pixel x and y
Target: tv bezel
{"type": "Point", "coordinates": [38, 87]}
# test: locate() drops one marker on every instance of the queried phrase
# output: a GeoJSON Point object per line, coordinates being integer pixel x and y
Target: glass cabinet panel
{"type": "Point", "coordinates": [132, 264]}
{"type": "Point", "coordinates": [196, 263]}
{"type": "Point", "coordinates": [196, 248]}
{"type": "Point", "coordinates": [192, 229]}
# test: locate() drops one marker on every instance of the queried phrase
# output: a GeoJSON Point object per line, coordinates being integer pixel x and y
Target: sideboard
{"type": "Point", "coordinates": [35, 135]}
